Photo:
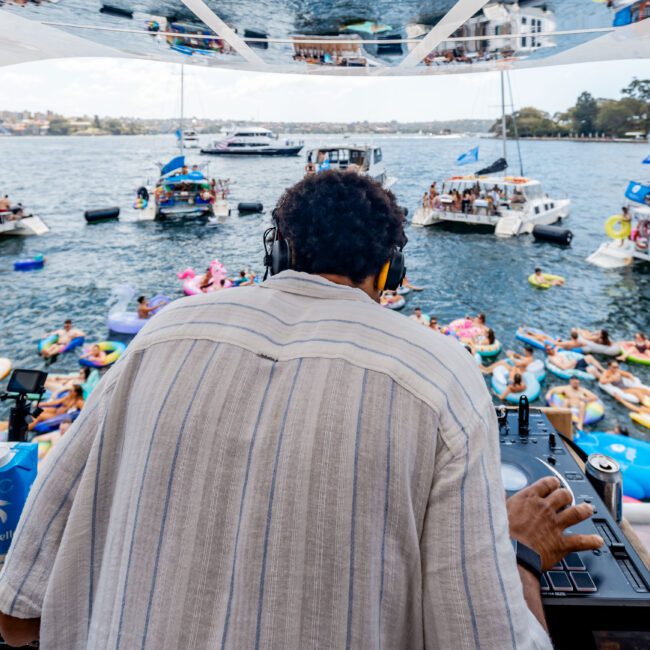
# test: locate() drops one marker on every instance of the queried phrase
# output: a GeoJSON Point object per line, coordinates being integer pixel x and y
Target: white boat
{"type": "Point", "coordinates": [617, 253]}
{"type": "Point", "coordinates": [507, 205]}
{"type": "Point", "coordinates": [190, 139]}
{"type": "Point", "coordinates": [364, 159]}
{"type": "Point", "coordinates": [253, 141]}
{"type": "Point", "coordinates": [521, 205]}
{"type": "Point", "coordinates": [14, 223]}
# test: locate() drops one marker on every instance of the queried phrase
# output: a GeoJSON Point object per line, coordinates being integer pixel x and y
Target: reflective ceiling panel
{"type": "Point", "coordinates": [371, 37]}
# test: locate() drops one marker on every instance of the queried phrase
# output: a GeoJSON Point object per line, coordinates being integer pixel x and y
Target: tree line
{"type": "Point", "coordinates": [589, 117]}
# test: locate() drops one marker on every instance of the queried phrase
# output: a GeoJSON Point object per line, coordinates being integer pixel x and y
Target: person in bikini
{"type": "Point", "coordinates": [617, 377]}
{"type": "Point", "coordinates": [72, 401]}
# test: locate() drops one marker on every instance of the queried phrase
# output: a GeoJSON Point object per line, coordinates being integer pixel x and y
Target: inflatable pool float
{"type": "Point", "coordinates": [598, 348]}
{"type": "Point", "coordinates": [392, 302]}
{"type": "Point", "coordinates": [631, 454]}
{"type": "Point", "coordinates": [54, 423]}
{"type": "Point", "coordinates": [499, 382]}
{"type": "Point", "coordinates": [615, 391]}
{"type": "Point", "coordinates": [567, 374]}
{"type": "Point", "coordinates": [128, 322]}
{"type": "Point", "coordinates": [489, 350]}
{"type": "Point", "coordinates": [594, 411]}
{"type": "Point", "coordinates": [113, 349]}
{"type": "Point", "coordinates": [522, 335]}
{"type": "Point", "coordinates": [633, 355]}
{"type": "Point", "coordinates": [617, 227]}
{"type": "Point", "coordinates": [641, 418]}
{"type": "Point", "coordinates": [192, 280]}
{"type": "Point", "coordinates": [48, 341]}
{"type": "Point", "coordinates": [403, 291]}
{"type": "Point", "coordinates": [463, 328]}
{"type": "Point", "coordinates": [31, 264]}
{"type": "Point", "coordinates": [546, 282]}
{"type": "Point", "coordinates": [5, 367]}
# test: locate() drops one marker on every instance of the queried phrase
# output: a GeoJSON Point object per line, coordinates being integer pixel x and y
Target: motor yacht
{"type": "Point", "coordinates": [253, 141]}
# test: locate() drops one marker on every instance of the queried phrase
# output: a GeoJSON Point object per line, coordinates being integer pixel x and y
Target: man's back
{"type": "Point", "coordinates": [288, 466]}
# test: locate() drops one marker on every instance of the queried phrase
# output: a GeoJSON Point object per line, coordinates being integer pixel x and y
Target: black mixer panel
{"type": "Point", "coordinates": [596, 599]}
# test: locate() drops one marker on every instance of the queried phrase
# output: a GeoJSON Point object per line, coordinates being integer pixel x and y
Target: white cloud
{"type": "Point", "coordinates": [151, 89]}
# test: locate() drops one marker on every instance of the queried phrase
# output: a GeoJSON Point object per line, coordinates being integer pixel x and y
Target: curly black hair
{"type": "Point", "coordinates": [341, 223]}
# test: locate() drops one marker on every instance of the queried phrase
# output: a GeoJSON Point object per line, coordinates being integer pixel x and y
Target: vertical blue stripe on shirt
{"type": "Point", "coordinates": [389, 431]}
{"type": "Point", "coordinates": [348, 641]}
{"type": "Point", "coordinates": [140, 491]}
{"type": "Point", "coordinates": [260, 604]}
{"type": "Point", "coordinates": [231, 590]}
{"type": "Point", "coordinates": [493, 546]}
{"type": "Point", "coordinates": [170, 483]}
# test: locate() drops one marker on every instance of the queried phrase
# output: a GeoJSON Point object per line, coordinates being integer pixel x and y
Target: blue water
{"type": "Point", "coordinates": [59, 178]}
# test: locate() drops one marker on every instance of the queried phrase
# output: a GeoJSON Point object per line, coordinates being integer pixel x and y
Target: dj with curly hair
{"type": "Point", "coordinates": [288, 466]}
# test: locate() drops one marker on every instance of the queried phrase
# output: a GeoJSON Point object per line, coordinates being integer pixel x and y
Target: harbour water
{"type": "Point", "coordinates": [59, 178]}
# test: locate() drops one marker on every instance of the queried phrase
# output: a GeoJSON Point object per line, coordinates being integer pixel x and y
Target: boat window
{"type": "Point", "coordinates": [536, 209]}
{"type": "Point", "coordinates": [533, 192]}
{"type": "Point", "coordinates": [378, 156]}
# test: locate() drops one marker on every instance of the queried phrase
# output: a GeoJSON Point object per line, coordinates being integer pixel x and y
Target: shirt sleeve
{"type": "Point", "coordinates": [472, 593]}
{"type": "Point", "coordinates": [33, 550]}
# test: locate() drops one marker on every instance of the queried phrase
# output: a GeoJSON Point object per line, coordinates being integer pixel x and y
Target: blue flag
{"type": "Point", "coordinates": [646, 160]}
{"type": "Point", "coordinates": [173, 164]}
{"type": "Point", "coordinates": [469, 157]}
{"type": "Point", "coordinates": [637, 192]}
{"type": "Point", "coordinates": [179, 134]}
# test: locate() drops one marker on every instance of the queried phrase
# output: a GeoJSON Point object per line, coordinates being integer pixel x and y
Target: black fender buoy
{"type": "Point", "coordinates": [143, 193]}
{"type": "Point", "coordinates": [553, 234]}
{"type": "Point", "coordinates": [250, 206]}
{"type": "Point", "coordinates": [106, 214]}
{"type": "Point", "coordinates": [116, 11]}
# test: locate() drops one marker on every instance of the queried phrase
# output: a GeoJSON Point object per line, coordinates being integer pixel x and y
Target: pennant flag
{"type": "Point", "coordinates": [469, 157]}
{"type": "Point", "coordinates": [646, 160]}
{"type": "Point", "coordinates": [637, 192]}
{"type": "Point", "coordinates": [179, 134]}
{"type": "Point", "coordinates": [497, 166]}
{"type": "Point", "coordinates": [172, 165]}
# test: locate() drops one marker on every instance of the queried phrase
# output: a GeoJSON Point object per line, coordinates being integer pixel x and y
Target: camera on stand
{"type": "Point", "coordinates": [24, 388]}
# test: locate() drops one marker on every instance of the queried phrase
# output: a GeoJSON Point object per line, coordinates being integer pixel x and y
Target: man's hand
{"type": "Point", "coordinates": [536, 518]}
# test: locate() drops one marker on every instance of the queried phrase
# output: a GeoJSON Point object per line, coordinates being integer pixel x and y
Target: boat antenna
{"type": "Point", "coordinates": [180, 128]}
{"type": "Point", "coordinates": [504, 134]}
{"type": "Point", "coordinates": [514, 125]}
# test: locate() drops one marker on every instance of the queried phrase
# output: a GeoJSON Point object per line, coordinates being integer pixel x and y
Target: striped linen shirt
{"type": "Point", "coordinates": [283, 466]}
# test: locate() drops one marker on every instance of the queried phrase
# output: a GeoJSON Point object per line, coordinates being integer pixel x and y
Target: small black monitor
{"type": "Point", "coordinates": [28, 382]}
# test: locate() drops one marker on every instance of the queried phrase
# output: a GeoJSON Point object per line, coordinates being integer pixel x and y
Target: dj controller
{"type": "Point", "coordinates": [594, 599]}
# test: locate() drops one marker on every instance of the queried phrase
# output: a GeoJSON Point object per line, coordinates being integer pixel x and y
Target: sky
{"type": "Point", "coordinates": [121, 87]}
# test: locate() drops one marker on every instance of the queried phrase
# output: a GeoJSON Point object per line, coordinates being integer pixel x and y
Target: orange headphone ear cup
{"type": "Point", "coordinates": [383, 276]}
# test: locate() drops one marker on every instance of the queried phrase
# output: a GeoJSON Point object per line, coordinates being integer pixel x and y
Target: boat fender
{"type": "Point", "coordinates": [143, 193]}
{"type": "Point", "coordinates": [92, 216]}
{"type": "Point", "coordinates": [116, 11]}
{"type": "Point", "coordinates": [553, 234]}
{"type": "Point", "coordinates": [251, 207]}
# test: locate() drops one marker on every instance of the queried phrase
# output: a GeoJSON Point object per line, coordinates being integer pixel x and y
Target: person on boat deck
{"type": "Point", "coordinates": [515, 386]}
{"type": "Point", "coordinates": [515, 362]}
{"type": "Point", "coordinates": [72, 401]}
{"type": "Point", "coordinates": [432, 191]}
{"type": "Point", "coordinates": [577, 398]}
{"type": "Point", "coordinates": [419, 317]}
{"type": "Point", "coordinates": [207, 280]}
{"type": "Point", "coordinates": [184, 170]}
{"type": "Point", "coordinates": [567, 362]}
{"type": "Point", "coordinates": [95, 354]}
{"type": "Point", "coordinates": [518, 197]}
{"type": "Point", "coordinates": [426, 202]}
{"type": "Point", "coordinates": [554, 282]}
{"type": "Point", "coordinates": [339, 429]}
{"type": "Point", "coordinates": [144, 310]}
{"type": "Point", "coordinates": [622, 379]}
{"type": "Point", "coordinates": [5, 203]}
{"type": "Point", "coordinates": [65, 336]}
{"type": "Point", "coordinates": [466, 202]}
{"type": "Point", "coordinates": [457, 201]}
{"type": "Point", "coordinates": [433, 324]}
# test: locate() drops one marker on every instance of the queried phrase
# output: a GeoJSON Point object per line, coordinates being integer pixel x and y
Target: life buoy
{"type": "Point", "coordinates": [143, 193]}
{"type": "Point", "coordinates": [617, 227]}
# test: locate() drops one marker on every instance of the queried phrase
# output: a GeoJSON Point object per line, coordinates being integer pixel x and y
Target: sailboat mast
{"type": "Point", "coordinates": [504, 134]}
{"type": "Point", "coordinates": [180, 139]}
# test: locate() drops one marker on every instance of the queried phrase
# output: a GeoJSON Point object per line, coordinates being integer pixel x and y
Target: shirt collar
{"type": "Point", "coordinates": [314, 286]}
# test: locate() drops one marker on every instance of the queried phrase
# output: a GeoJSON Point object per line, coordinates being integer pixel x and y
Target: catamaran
{"type": "Point", "coordinates": [253, 141]}
{"type": "Point", "coordinates": [506, 205]}
{"type": "Point", "coordinates": [17, 222]}
{"type": "Point", "coordinates": [364, 159]}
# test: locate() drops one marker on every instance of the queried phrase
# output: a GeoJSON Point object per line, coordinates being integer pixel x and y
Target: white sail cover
{"type": "Point", "coordinates": [338, 37]}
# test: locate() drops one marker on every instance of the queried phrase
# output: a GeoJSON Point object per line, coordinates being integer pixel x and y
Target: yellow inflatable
{"type": "Point", "coordinates": [617, 227]}
{"type": "Point", "coordinates": [641, 418]}
{"type": "Point", "coordinates": [546, 282]}
{"type": "Point", "coordinates": [5, 367]}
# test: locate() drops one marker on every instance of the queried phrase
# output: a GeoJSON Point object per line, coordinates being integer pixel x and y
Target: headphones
{"type": "Point", "coordinates": [278, 258]}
